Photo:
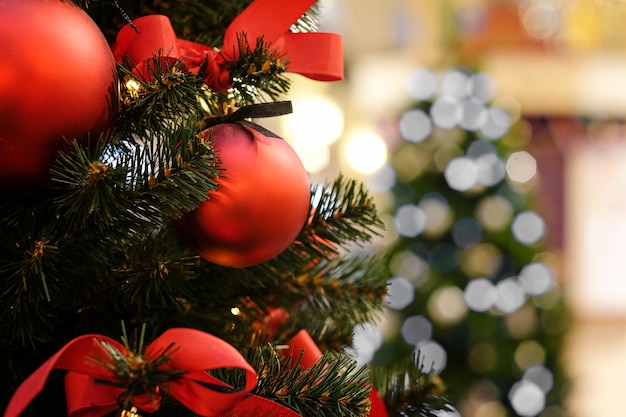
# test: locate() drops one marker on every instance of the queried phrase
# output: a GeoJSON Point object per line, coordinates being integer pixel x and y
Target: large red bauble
{"type": "Point", "coordinates": [260, 206]}
{"type": "Point", "coordinates": [57, 83]}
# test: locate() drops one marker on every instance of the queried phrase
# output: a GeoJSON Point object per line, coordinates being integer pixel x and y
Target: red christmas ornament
{"type": "Point", "coordinates": [261, 204]}
{"type": "Point", "coordinates": [57, 82]}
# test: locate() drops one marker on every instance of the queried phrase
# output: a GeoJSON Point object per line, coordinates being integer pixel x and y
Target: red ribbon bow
{"type": "Point", "coordinates": [85, 397]}
{"type": "Point", "coordinates": [315, 55]}
{"type": "Point", "coordinates": [195, 353]}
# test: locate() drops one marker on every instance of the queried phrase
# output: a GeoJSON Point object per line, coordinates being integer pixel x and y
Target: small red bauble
{"type": "Point", "coordinates": [260, 206]}
{"type": "Point", "coordinates": [57, 82]}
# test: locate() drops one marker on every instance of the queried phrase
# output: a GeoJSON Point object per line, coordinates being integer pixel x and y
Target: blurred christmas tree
{"type": "Point", "coordinates": [473, 290]}
{"type": "Point", "coordinates": [137, 190]}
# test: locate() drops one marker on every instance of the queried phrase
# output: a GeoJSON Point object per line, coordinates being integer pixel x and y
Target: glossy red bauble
{"type": "Point", "coordinates": [57, 82]}
{"type": "Point", "coordinates": [261, 204]}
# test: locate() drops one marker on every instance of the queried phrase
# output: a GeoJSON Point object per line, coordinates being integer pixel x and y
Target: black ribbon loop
{"type": "Point", "coordinates": [257, 110]}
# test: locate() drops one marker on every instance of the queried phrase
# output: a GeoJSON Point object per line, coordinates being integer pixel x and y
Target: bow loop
{"type": "Point", "coordinates": [318, 56]}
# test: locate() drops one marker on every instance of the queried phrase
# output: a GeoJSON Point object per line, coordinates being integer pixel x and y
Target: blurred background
{"type": "Point", "coordinates": [543, 83]}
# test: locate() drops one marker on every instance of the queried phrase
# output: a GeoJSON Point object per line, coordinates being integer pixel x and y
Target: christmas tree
{"type": "Point", "coordinates": [474, 289]}
{"type": "Point", "coordinates": [160, 251]}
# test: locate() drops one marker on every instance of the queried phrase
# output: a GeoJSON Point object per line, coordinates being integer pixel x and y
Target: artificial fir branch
{"type": "Point", "coordinates": [343, 213]}
{"type": "Point", "coordinates": [88, 190]}
{"type": "Point", "coordinates": [334, 386]}
{"type": "Point", "coordinates": [258, 74]}
{"type": "Point", "coordinates": [409, 390]}
{"type": "Point", "coordinates": [168, 96]}
{"type": "Point", "coordinates": [353, 288]}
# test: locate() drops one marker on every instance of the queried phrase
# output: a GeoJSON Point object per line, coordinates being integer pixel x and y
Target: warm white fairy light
{"type": "Point", "coordinates": [132, 85]}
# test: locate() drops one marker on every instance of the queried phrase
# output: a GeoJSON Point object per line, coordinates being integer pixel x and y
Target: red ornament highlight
{"type": "Point", "coordinates": [57, 82]}
{"type": "Point", "coordinates": [261, 204]}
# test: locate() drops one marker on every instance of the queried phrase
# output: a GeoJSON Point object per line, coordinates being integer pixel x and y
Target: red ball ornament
{"type": "Point", "coordinates": [57, 82]}
{"type": "Point", "coordinates": [260, 206]}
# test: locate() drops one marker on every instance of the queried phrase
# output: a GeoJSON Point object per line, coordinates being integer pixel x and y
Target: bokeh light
{"type": "Point", "coordinates": [422, 84]}
{"type": "Point", "coordinates": [494, 212]}
{"type": "Point", "coordinates": [483, 259]}
{"type": "Point", "coordinates": [446, 305]}
{"type": "Point", "coordinates": [455, 83]}
{"type": "Point", "coordinates": [482, 87]}
{"type": "Point", "coordinates": [366, 339]}
{"type": "Point", "coordinates": [382, 180]}
{"type": "Point", "coordinates": [473, 115]}
{"type": "Point", "coordinates": [446, 112]}
{"type": "Point", "coordinates": [410, 220]}
{"type": "Point", "coordinates": [480, 295]}
{"type": "Point", "coordinates": [314, 157]}
{"type": "Point", "coordinates": [496, 125]}
{"type": "Point", "coordinates": [529, 353]}
{"type": "Point", "coordinates": [541, 20]}
{"type": "Point", "coordinates": [416, 329]}
{"type": "Point", "coordinates": [315, 120]}
{"type": "Point", "coordinates": [490, 409]}
{"type": "Point", "coordinates": [438, 214]}
{"type": "Point", "coordinates": [461, 173]}
{"type": "Point", "coordinates": [409, 265]}
{"type": "Point", "coordinates": [523, 322]}
{"type": "Point", "coordinates": [400, 293]}
{"type": "Point", "coordinates": [366, 152]}
{"type": "Point", "coordinates": [415, 125]}
{"type": "Point", "coordinates": [528, 227]}
{"type": "Point", "coordinates": [491, 169]}
{"type": "Point", "coordinates": [527, 399]}
{"type": "Point", "coordinates": [431, 356]}
{"type": "Point", "coordinates": [540, 376]}
{"type": "Point", "coordinates": [536, 278]}
{"type": "Point", "coordinates": [510, 295]}
{"type": "Point", "coordinates": [521, 166]}
{"type": "Point", "coordinates": [466, 232]}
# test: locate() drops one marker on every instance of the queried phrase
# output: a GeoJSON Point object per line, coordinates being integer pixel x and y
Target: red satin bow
{"type": "Point", "coordinates": [195, 353]}
{"type": "Point", "coordinates": [316, 55]}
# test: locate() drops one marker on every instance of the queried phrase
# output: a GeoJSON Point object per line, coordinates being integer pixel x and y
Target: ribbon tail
{"type": "Point", "coordinates": [254, 405]}
{"type": "Point", "coordinates": [261, 19]}
{"type": "Point", "coordinates": [315, 55]}
{"type": "Point", "coordinates": [70, 357]}
{"type": "Point", "coordinates": [86, 398]}
{"type": "Point", "coordinates": [200, 352]}
{"type": "Point", "coordinates": [303, 343]}
{"type": "Point", "coordinates": [154, 33]}
{"type": "Point", "coordinates": [378, 405]}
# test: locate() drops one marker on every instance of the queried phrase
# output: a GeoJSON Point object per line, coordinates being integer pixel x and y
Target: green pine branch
{"type": "Point", "coordinates": [336, 295]}
{"type": "Point", "coordinates": [343, 213]}
{"type": "Point", "coordinates": [258, 73]}
{"type": "Point", "coordinates": [333, 387]}
{"type": "Point", "coordinates": [409, 390]}
{"type": "Point", "coordinates": [169, 96]}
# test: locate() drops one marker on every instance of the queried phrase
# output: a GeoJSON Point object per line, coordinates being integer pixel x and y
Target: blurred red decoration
{"type": "Point", "coordinates": [57, 82]}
